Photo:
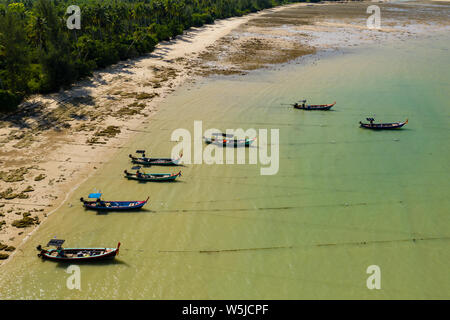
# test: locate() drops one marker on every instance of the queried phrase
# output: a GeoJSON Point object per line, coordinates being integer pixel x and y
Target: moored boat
{"type": "Point", "coordinates": [305, 106]}
{"type": "Point", "coordinates": [103, 205]}
{"type": "Point", "coordinates": [153, 177]}
{"type": "Point", "coordinates": [382, 126]}
{"type": "Point", "coordinates": [143, 160]}
{"type": "Point", "coordinates": [76, 255]}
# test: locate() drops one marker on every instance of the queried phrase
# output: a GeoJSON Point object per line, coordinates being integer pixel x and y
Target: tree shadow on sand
{"type": "Point", "coordinates": [45, 118]}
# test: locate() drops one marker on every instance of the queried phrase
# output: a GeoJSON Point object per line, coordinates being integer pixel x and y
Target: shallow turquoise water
{"type": "Point", "coordinates": [344, 198]}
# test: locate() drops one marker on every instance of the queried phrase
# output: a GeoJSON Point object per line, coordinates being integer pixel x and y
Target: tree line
{"type": "Point", "coordinates": [40, 54]}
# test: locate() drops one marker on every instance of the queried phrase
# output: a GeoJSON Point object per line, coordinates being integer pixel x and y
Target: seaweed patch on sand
{"type": "Point", "coordinates": [299, 30]}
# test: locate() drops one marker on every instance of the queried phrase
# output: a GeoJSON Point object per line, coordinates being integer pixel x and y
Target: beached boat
{"type": "Point", "coordinates": [76, 255]}
{"type": "Point", "coordinates": [382, 126]}
{"type": "Point", "coordinates": [305, 106]}
{"type": "Point", "coordinates": [103, 205]}
{"type": "Point", "coordinates": [154, 177]}
{"type": "Point", "coordinates": [227, 140]}
{"type": "Point", "coordinates": [143, 160]}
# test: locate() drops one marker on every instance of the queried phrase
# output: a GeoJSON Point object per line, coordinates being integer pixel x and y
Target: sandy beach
{"type": "Point", "coordinates": [55, 142]}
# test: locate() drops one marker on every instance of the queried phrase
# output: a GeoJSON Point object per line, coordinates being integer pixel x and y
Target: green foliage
{"type": "Point", "coordinates": [39, 54]}
{"type": "Point", "coordinates": [199, 19]}
{"type": "Point", "coordinates": [8, 100]}
{"type": "Point", "coordinates": [57, 69]}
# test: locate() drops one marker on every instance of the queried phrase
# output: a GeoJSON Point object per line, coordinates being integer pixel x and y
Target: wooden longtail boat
{"type": "Point", "coordinates": [76, 255]}
{"type": "Point", "coordinates": [305, 106]}
{"type": "Point", "coordinates": [111, 205]}
{"type": "Point", "coordinates": [154, 177]}
{"type": "Point", "coordinates": [154, 161]}
{"type": "Point", "coordinates": [221, 139]}
{"type": "Point", "coordinates": [382, 126]}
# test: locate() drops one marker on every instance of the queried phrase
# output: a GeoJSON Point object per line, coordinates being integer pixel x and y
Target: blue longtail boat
{"type": "Point", "coordinates": [103, 205]}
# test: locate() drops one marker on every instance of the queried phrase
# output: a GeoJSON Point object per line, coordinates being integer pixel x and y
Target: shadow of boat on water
{"type": "Point", "coordinates": [106, 262]}
{"type": "Point", "coordinates": [162, 181]}
{"type": "Point", "coordinates": [107, 212]}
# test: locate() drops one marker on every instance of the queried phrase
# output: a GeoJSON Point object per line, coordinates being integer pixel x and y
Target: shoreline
{"type": "Point", "coordinates": [166, 57]}
{"type": "Point", "coordinates": [82, 148]}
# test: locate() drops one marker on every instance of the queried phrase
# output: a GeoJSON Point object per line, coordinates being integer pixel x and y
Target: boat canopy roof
{"type": "Point", "coordinates": [136, 168]}
{"type": "Point", "coordinates": [95, 195]}
{"type": "Point", "coordinates": [55, 242]}
{"type": "Point", "coordinates": [140, 151]}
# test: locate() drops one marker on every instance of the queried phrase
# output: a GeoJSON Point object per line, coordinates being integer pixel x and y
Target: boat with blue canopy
{"type": "Point", "coordinates": [103, 205]}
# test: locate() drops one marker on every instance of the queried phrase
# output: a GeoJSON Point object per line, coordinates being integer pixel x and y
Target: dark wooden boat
{"type": "Point", "coordinates": [111, 205]}
{"type": "Point", "coordinates": [305, 106]}
{"type": "Point", "coordinates": [76, 255]}
{"type": "Point", "coordinates": [227, 140]}
{"type": "Point", "coordinates": [382, 126]}
{"type": "Point", "coordinates": [154, 177]}
{"type": "Point", "coordinates": [143, 160]}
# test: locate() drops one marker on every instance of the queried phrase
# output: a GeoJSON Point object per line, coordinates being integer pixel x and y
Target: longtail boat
{"type": "Point", "coordinates": [75, 255]}
{"type": "Point", "coordinates": [154, 177]}
{"type": "Point", "coordinates": [305, 106]}
{"type": "Point", "coordinates": [103, 205]}
{"type": "Point", "coordinates": [382, 126]}
{"type": "Point", "coordinates": [227, 140]}
{"type": "Point", "coordinates": [143, 160]}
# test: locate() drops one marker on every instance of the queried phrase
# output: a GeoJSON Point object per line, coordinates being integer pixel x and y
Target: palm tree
{"type": "Point", "coordinates": [37, 30]}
